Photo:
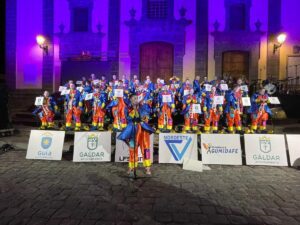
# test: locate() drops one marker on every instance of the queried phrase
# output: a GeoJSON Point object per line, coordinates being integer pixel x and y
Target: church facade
{"type": "Point", "coordinates": [159, 38]}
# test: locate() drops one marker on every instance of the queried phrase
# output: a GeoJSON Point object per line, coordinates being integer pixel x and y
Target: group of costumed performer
{"type": "Point", "coordinates": [194, 101]}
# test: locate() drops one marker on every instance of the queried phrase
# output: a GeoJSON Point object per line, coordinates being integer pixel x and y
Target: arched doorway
{"type": "Point", "coordinates": [156, 60]}
{"type": "Point", "coordinates": [236, 64]}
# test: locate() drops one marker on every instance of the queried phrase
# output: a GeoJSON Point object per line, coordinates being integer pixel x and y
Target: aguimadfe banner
{"type": "Point", "coordinates": [223, 149]}
{"type": "Point", "coordinates": [46, 145]}
{"type": "Point", "coordinates": [122, 150]}
{"type": "Point", "coordinates": [293, 141]}
{"type": "Point", "coordinates": [92, 147]}
{"type": "Point", "coordinates": [265, 149]}
{"type": "Point", "coordinates": [173, 148]}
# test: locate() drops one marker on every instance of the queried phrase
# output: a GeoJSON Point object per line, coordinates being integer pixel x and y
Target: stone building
{"type": "Point", "coordinates": [159, 38]}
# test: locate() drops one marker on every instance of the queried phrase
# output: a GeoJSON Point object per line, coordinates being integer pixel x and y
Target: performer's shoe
{"type": "Point", "coordinates": [100, 128]}
{"type": "Point", "coordinates": [77, 129]}
{"type": "Point", "coordinates": [157, 131]}
{"type": "Point", "coordinates": [42, 128]}
{"type": "Point", "coordinates": [86, 128]}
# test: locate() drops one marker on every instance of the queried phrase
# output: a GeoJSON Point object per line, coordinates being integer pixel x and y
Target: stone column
{"type": "Point", "coordinates": [10, 44]}
{"type": "Point", "coordinates": [274, 27]}
{"type": "Point", "coordinates": [201, 38]}
{"type": "Point", "coordinates": [48, 59]}
{"type": "Point", "coordinates": [114, 35]}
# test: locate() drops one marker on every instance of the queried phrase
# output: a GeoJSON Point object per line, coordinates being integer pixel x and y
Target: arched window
{"type": "Point", "coordinates": [157, 9]}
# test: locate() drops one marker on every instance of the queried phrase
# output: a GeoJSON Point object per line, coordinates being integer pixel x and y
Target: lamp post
{"type": "Point", "coordinates": [280, 40]}
{"type": "Point", "coordinates": [41, 41]}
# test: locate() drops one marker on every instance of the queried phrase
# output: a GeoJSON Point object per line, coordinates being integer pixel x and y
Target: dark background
{"type": "Point", "coordinates": [2, 39]}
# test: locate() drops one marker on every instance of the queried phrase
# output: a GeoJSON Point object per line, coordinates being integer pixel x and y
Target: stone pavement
{"type": "Point", "coordinates": [63, 192]}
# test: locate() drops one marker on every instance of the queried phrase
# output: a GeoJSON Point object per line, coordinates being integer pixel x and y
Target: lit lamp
{"type": "Point", "coordinates": [280, 40]}
{"type": "Point", "coordinates": [41, 41]}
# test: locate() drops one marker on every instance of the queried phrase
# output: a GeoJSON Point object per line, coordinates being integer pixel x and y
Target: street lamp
{"type": "Point", "coordinates": [41, 41]}
{"type": "Point", "coordinates": [280, 40]}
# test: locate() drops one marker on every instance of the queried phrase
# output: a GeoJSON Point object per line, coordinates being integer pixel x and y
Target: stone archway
{"type": "Point", "coordinates": [236, 64]}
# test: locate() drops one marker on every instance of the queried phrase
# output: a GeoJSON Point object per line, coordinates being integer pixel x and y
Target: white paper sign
{"type": "Point", "coordinates": [246, 101]}
{"type": "Point", "coordinates": [186, 92]}
{"type": "Point", "coordinates": [80, 89]}
{"type": "Point", "coordinates": [176, 86]}
{"type": "Point", "coordinates": [122, 150]}
{"type": "Point", "coordinates": [207, 87]}
{"type": "Point", "coordinates": [162, 81]}
{"type": "Point", "coordinates": [92, 147]}
{"type": "Point", "coordinates": [293, 141]}
{"type": "Point", "coordinates": [88, 96]}
{"type": "Point", "coordinates": [119, 93]}
{"type": "Point", "coordinates": [224, 87]}
{"type": "Point", "coordinates": [61, 88]}
{"type": "Point", "coordinates": [244, 88]}
{"type": "Point", "coordinates": [140, 97]}
{"type": "Point", "coordinates": [46, 145]}
{"type": "Point", "coordinates": [265, 149]}
{"type": "Point", "coordinates": [79, 82]}
{"type": "Point", "coordinates": [274, 100]}
{"type": "Point", "coordinates": [65, 92]}
{"type": "Point", "coordinates": [39, 101]}
{"type": "Point", "coordinates": [173, 148]}
{"type": "Point", "coordinates": [223, 149]}
{"type": "Point", "coordinates": [166, 98]}
{"type": "Point", "coordinates": [96, 81]}
{"type": "Point", "coordinates": [218, 100]}
{"type": "Point", "coordinates": [196, 108]}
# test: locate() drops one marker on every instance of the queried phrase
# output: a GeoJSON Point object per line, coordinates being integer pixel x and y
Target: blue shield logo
{"type": "Point", "coordinates": [46, 142]}
{"type": "Point", "coordinates": [175, 151]}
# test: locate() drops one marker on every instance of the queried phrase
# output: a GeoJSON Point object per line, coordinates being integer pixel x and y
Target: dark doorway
{"type": "Point", "coordinates": [236, 64]}
{"type": "Point", "coordinates": [156, 60]}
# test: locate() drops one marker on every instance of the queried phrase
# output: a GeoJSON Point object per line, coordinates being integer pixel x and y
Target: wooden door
{"type": "Point", "coordinates": [156, 60]}
{"type": "Point", "coordinates": [236, 64]}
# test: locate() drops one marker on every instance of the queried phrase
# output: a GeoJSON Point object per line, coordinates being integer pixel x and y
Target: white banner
{"type": "Point", "coordinates": [173, 148]}
{"type": "Point", "coordinates": [265, 149]}
{"type": "Point", "coordinates": [246, 101]}
{"type": "Point", "coordinates": [92, 147]}
{"type": "Point", "coordinates": [39, 101]}
{"type": "Point", "coordinates": [119, 93]}
{"type": "Point", "coordinates": [166, 98]}
{"type": "Point", "coordinates": [293, 141]}
{"type": "Point", "coordinates": [223, 149]}
{"type": "Point", "coordinates": [122, 150]}
{"type": "Point", "coordinates": [46, 145]}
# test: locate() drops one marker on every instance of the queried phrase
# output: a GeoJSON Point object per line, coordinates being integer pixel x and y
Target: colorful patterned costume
{"type": "Point", "coordinates": [98, 102]}
{"type": "Point", "coordinates": [137, 134]}
{"type": "Point", "coordinates": [232, 112]}
{"type": "Point", "coordinates": [73, 108]}
{"type": "Point", "coordinates": [165, 109]}
{"type": "Point", "coordinates": [46, 113]}
{"type": "Point", "coordinates": [190, 118]}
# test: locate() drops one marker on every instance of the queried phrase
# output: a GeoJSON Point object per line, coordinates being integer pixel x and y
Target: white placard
{"type": "Point", "coordinates": [140, 97]}
{"type": "Point", "coordinates": [65, 92]}
{"type": "Point", "coordinates": [39, 101]}
{"type": "Point", "coordinates": [88, 96]}
{"type": "Point", "coordinates": [207, 87]}
{"type": "Point", "coordinates": [92, 147]}
{"type": "Point", "coordinates": [244, 88]}
{"type": "Point", "coordinates": [46, 145]}
{"type": "Point", "coordinates": [265, 149]}
{"type": "Point", "coordinates": [196, 108]}
{"type": "Point", "coordinates": [61, 88]}
{"type": "Point", "coordinates": [246, 101]}
{"type": "Point", "coordinates": [223, 149]}
{"type": "Point", "coordinates": [173, 148]}
{"type": "Point", "coordinates": [80, 89]}
{"type": "Point", "coordinates": [166, 98]}
{"type": "Point", "coordinates": [186, 92]}
{"type": "Point", "coordinates": [218, 100]}
{"type": "Point", "coordinates": [122, 150]}
{"type": "Point", "coordinates": [293, 141]}
{"type": "Point", "coordinates": [224, 87]}
{"type": "Point", "coordinates": [176, 86]}
{"type": "Point", "coordinates": [96, 81]}
{"type": "Point", "coordinates": [162, 81]}
{"type": "Point", "coordinates": [79, 82]}
{"type": "Point", "coordinates": [119, 93]}
{"type": "Point", "coordinates": [274, 100]}
{"type": "Point", "coordinates": [116, 82]}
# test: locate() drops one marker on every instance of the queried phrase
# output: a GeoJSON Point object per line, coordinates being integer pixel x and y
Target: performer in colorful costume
{"type": "Point", "coordinates": [212, 112]}
{"type": "Point", "coordinates": [190, 118]}
{"type": "Point", "coordinates": [98, 102]}
{"type": "Point", "coordinates": [73, 108]}
{"type": "Point", "coordinates": [232, 112]}
{"type": "Point", "coordinates": [260, 111]}
{"type": "Point", "coordinates": [46, 112]}
{"type": "Point", "coordinates": [137, 134]}
{"type": "Point", "coordinates": [165, 108]}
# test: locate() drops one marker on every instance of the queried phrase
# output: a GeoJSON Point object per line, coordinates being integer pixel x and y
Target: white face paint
{"type": "Point", "coordinates": [46, 94]}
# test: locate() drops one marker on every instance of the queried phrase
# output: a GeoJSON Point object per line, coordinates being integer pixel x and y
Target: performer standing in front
{"type": "Point", "coordinates": [137, 134]}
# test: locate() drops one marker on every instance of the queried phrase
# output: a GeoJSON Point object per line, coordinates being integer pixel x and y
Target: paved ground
{"type": "Point", "coordinates": [63, 192]}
